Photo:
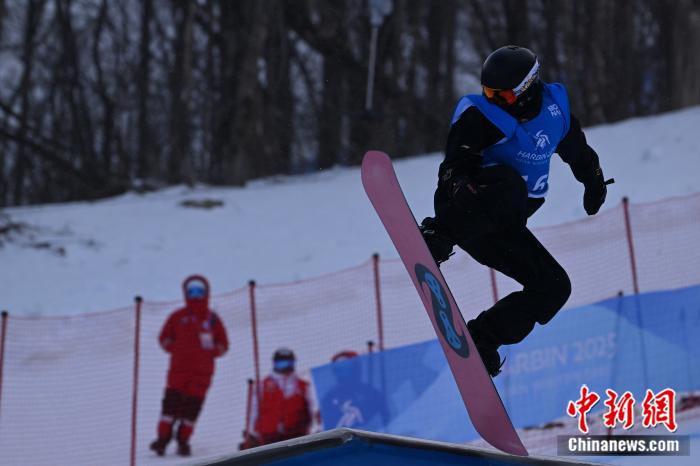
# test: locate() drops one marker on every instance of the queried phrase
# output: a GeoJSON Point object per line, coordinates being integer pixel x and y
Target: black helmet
{"type": "Point", "coordinates": [514, 71]}
{"type": "Point", "coordinates": [283, 354]}
{"type": "Point", "coordinates": [507, 67]}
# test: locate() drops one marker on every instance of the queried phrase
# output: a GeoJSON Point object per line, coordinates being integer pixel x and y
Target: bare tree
{"type": "Point", "coordinates": [219, 91]}
{"type": "Point", "coordinates": [180, 88]}
{"type": "Point", "coordinates": [146, 152]}
{"type": "Point", "coordinates": [33, 18]}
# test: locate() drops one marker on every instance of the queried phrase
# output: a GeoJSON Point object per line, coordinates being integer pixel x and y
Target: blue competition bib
{"type": "Point", "coordinates": [527, 147]}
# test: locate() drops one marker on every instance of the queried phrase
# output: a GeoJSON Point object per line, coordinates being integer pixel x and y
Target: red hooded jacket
{"type": "Point", "coordinates": [194, 335]}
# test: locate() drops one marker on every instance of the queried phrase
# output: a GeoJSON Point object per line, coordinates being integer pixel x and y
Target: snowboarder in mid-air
{"type": "Point", "coordinates": [494, 177]}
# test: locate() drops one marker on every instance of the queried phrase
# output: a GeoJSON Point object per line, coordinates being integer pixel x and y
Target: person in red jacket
{"type": "Point", "coordinates": [284, 409]}
{"type": "Point", "coordinates": [194, 336]}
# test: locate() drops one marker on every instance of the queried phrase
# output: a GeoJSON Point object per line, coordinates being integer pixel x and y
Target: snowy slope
{"type": "Point", "coordinates": [284, 229]}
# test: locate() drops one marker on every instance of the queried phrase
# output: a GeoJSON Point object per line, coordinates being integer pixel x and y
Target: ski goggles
{"type": "Point", "coordinates": [196, 292]}
{"type": "Point", "coordinates": [509, 96]}
{"type": "Point", "coordinates": [283, 364]}
{"type": "Point", "coordinates": [500, 96]}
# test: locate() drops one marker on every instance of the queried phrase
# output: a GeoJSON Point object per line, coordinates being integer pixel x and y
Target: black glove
{"type": "Point", "coordinates": [460, 190]}
{"type": "Point", "coordinates": [439, 244]}
{"type": "Point", "coordinates": [465, 192]}
{"type": "Point", "coordinates": [595, 192]}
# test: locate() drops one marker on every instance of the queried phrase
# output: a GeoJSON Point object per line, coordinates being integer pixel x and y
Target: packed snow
{"type": "Point", "coordinates": [87, 256]}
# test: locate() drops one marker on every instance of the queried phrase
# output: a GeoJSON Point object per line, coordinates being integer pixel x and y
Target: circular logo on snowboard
{"type": "Point", "coordinates": [442, 311]}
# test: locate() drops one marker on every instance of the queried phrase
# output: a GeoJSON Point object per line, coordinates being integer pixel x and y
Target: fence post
{"type": "Point", "coordinates": [635, 283]}
{"type": "Point", "coordinates": [248, 409]}
{"type": "Point", "coordinates": [630, 244]}
{"type": "Point", "coordinates": [254, 329]}
{"type": "Point", "coordinates": [494, 287]}
{"type": "Point", "coordinates": [370, 346]}
{"type": "Point", "coordinates": [135, 393]}
{"type": "Point", "coordinates": [378, 300]}
{"type": "Point", "coordinates": [3, 335]}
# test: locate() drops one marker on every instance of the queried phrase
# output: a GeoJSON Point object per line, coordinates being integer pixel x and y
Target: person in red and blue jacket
{"type": "Point", "coordinates": [194, 336]}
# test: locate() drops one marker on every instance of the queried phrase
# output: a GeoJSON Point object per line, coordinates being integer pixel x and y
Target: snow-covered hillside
{"type": "Point", "coordinates": [79, 257]}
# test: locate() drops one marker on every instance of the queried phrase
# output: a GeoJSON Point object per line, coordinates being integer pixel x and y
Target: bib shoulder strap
{"type": "Point", "coordinates": [462, 105]}
{"type": "Point", "coordinates": [561, 97]}
{"type": "Point", "coordinates": [500, 118]}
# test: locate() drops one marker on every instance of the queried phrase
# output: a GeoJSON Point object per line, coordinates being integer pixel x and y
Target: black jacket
{"type": "Point", "coordinates": [502, 200]}
{"type": "Point", "coordinates": [473, 133]}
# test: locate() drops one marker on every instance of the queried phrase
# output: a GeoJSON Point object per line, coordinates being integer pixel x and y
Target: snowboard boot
{"type": "Point", "coordinates": [439, 244]}
{"type": "Point", "coordinates": [487, 348]}
{"type": "Point", "coordinates": [159, 446]}
{"type": "Point", "coordinates": [183, 449]}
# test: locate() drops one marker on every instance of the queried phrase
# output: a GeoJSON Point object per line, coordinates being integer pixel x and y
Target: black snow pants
{"type": "Point", "coordinates": [546, 286]}
{"type": "Point", "coordinates": [493, 230]}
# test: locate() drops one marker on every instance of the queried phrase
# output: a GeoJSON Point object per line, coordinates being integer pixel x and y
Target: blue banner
{"type": "Point", "coordinates": [627, 343]}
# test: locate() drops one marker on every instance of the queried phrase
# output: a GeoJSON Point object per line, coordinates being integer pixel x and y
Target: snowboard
{"type": "Point", "coordinates": [484, 405]}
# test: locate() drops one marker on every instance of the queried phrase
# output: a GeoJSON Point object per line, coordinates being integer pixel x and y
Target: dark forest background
{"type": "Point", "coordinates": [98, 97]}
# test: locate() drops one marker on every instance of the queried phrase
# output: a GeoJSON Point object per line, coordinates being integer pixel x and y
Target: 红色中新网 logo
{"type": "Point", "coordinates": [442, 311]}
{"type": "Point", "coordinates": [657, 408]}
